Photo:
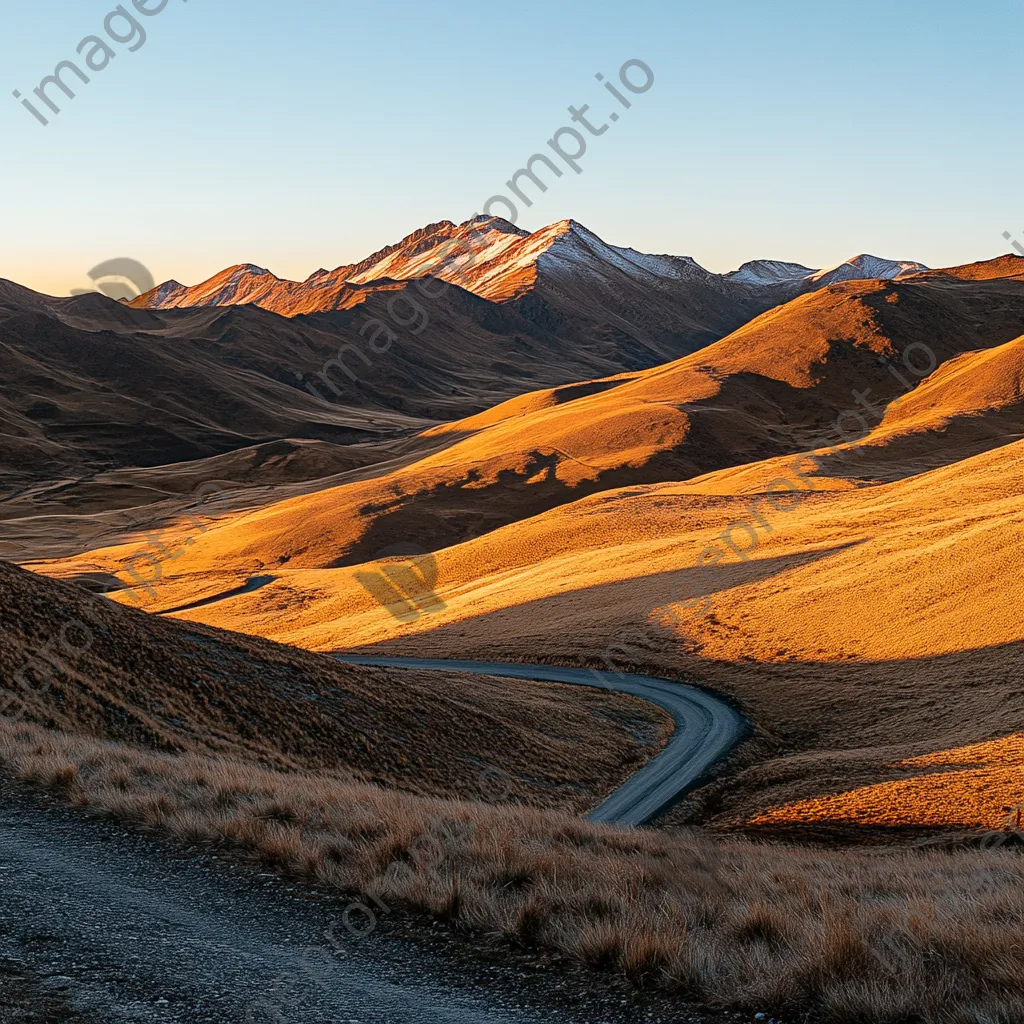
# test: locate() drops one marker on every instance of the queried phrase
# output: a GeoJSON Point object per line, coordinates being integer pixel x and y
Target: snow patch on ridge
{"type": "Point", "coordinates": [857, 268]}
{"type": "Point", "coordinates": [568, 249]}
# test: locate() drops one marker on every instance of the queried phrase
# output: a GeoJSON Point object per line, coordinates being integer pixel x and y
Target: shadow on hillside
{"type": "Point", "coordinates": [828, 723]}
{"type": "Point", "coordinates": [464, 508]}
{"type": "Point", "coordinates": [584, 622]}
{"type": "Point", "coordinates": [458, 510]}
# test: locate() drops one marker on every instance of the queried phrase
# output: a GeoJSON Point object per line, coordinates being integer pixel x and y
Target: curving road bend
{"type": "Point", "coordinates": [706, 729]}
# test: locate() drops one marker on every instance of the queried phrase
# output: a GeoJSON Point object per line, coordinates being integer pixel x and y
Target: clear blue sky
{"type": "Point", "coordinates": [306, 134]}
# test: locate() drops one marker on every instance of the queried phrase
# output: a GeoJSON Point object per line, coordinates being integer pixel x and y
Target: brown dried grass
{"type": "Point", "coordinates": [883, 935]}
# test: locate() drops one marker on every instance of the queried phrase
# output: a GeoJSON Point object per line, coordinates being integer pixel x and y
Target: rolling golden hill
{"type": "Point", "coordinates": [867, 627]}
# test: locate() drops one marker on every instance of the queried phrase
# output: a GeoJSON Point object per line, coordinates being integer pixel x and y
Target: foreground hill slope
{"type": "Point", "coordinates": [82, 665]}
{"type": "Point", "coordinates": [675, 913]}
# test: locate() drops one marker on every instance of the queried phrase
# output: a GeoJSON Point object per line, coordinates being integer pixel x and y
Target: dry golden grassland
{"type": "Point", "coordinates": [887, 936]}
{"type": "Point", "coordinates": [869, 628]}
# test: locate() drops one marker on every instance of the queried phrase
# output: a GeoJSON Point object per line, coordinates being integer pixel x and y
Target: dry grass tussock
{"type": "Point", "coordinates": [924, 936]}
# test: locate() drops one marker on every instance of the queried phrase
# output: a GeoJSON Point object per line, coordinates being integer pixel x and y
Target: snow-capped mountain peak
{"type": "Point", "coordinates": [767, 272]}
{"type": "Point", "coordinates": [864, 267]}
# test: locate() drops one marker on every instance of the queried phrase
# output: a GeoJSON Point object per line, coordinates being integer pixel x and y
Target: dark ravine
{"type": "Point", "coordinates": [707, 729]}
{"type": "Point", "coordinates": [253, 583]}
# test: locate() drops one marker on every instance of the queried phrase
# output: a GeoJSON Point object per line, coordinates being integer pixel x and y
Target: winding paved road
{"type": "Point", "coordinates": [706, 729]}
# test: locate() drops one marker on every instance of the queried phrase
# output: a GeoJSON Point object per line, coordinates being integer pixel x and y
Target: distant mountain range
{"type": "Point", "coordinates": [497, 261]}
{"type": "Point", "coordinates": [280, 379]}
{"type": "Point", "coordinates": [857, 268]}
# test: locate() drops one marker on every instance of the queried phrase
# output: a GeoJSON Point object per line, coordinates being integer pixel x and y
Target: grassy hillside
{"type": "Point", "coordinates": [83, 665]}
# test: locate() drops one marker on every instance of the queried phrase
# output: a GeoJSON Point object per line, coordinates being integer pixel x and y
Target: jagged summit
{"type": "Point", "coordinates": [242, 283]}
{"type": "Point", "coordinates": [856, 268]}
{"type": "Point", "coordinates": [167, 286]}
